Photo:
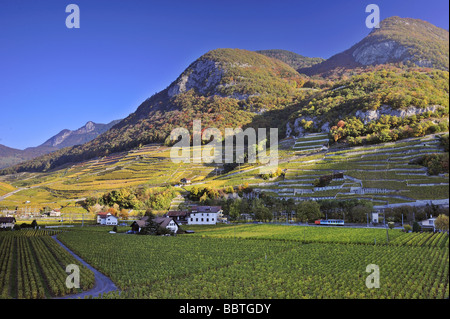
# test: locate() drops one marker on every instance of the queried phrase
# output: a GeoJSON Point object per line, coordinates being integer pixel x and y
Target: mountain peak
{"type": "Point", "coordinates": [229, 72]}
{"type": "Point", "coordinates": [398, 40]}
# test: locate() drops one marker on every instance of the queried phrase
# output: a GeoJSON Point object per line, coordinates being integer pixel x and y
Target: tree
{"type": "Point", "coordinates": [416, 227]}
{"type": "Point", "coordinates": [123, 213]}
{"type": "Point", "coordinates": [235, 209]}
{"type": "Point", "coordinates": [150, 228]}
{"type": "Point", "coordinates": [308, 210]}
{"type": "Point", "coordinates": [441, 223]}
{"type": "Point", "coordinates": [358, 213]}
{"type": "Point", "coordinates": [260, 212]}
{"type": "Point", "coordinates": [34, 224]}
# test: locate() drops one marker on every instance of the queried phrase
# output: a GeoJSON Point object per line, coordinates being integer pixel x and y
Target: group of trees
{"type": "Point", "coordinates": [276, 173]}
{"type": "Point", "coordinates": [386, 129]}
{"type": "Point", "coordinates": [263, 207]}
{"type": "Point", "coordinates": [207, 195]}
{"type": "Point", "coordinates": [435, 163]}
{"type": "Point", "coordinates": [118, 201]}
{"type": "Point", "coordinates": [409, 214]}
{"type": "Point", "coordinates": [383, 85]}
{"type": "Point", "coordinates": [268, 208]}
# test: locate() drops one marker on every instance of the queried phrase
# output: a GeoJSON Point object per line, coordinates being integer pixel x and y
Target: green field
{"type": "Point", "coordinates": [32, 266]}
{"type": "Point", "coordinates": [267, 261]}
{"type": "Point", "coordinates": [230, 261]}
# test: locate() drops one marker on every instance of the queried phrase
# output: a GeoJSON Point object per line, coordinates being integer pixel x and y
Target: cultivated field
{"type": "Point", "coordinates": [380, 173]}
{"type": "Point", "coordinates": [267, 261]}
{"type": "Point", "coordinates": [33, 266]}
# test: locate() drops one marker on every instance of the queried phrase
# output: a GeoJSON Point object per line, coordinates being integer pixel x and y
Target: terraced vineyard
{"type": "Point", "coordinates": [149, 165]}
{"type": "Point", "coordinates": [380, 173]}
{"type": "Point", "coordinates": [311, 143]}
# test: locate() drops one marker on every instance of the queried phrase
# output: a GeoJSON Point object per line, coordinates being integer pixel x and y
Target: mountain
{"type": "Point", "coordinates": [65, 138]}
{"type": "Point", "coordinates": [84, 134]}
{"type": "Point", "coordinates": [240, 88]}
{"type": "Point", "coordinates": [222, 88]}
{"type": "Point", "coordinates": [294, 60]}
{"type": "Point", "coordinates": [398, 40]}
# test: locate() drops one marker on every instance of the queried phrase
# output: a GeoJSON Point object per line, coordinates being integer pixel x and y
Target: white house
{"type": "Point", "coordinates": [55, 213]}
{"type": "Point", "coordinates": [205, 215]}
{"type": "Point", "coordinates": [428, 223]}
{"type": "Point", "coordinates": [107, 219]}
{"type": "Point", "coordinates": [186, 181]}
{"type": "Point", "coordinates": [7, 222]}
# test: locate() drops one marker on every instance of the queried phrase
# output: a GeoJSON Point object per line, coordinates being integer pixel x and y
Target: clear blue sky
{"type": "Point", "coordinates": [52, 77]}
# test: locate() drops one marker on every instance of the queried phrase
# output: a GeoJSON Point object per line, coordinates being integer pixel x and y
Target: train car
{"type": "Point", "coordinates": [332, 222]}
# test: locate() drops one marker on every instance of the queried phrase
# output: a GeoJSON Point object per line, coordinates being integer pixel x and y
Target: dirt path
{"type": "Point", "coordinates": [102, 283]}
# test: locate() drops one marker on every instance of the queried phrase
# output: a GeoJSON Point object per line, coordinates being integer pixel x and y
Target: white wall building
{"type": "Point", "coordinates": [428, 223]}
{"type": "Point", "coordinates": [55, 213]}
{"type": "Point", "coordinates": [204, 215]}
{"type": "Point", "coordinates": [7, 222]}
{"type": "Point", "coordinates": [107, 219]}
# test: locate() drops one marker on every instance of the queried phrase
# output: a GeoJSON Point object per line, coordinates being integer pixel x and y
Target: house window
{"type": "Point", "coordinates": [212, 219]}
{"type": "Point", "coordinates": [202, 219]}
{"type": "Point", "coordinates": [207, 219]}
{"type": "Point", "coordinates": [192, 219]}
{"type": "Point", "coordinates": [196, 219]}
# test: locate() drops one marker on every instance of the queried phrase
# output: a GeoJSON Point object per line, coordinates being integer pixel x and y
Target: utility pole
{"type": "Point", "coordinates": [387, 234]}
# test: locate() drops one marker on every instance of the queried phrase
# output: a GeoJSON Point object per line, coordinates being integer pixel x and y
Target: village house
{"type": "Point", "coordinates": [428, 223]}
{"type": "Point", "coordinates": [179, 216]}
{"type": "Point", "coordinates": [163, 222]}
{"type": "Point", "coordinates": [107, 219]}
{"type": "Point", "coordinates": [55, 213]}
{"type": "Point", "coordinates": [185, 181]}
{"type": "Point", "coordinates": [205, 215]}
{"type": "Point", "coordinates": [199, 215]}
{"type": "Point", "coordinates": [7, 222]}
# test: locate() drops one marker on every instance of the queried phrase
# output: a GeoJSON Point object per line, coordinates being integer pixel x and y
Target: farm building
{"type": "Point", "coordinates": [107, 219]}
{"type": "Point", "coordinates": [199, 215]}
{"type": "Point", "coordinates": [55, 213]}
{"type": "Point", "coordinates": [164, 222]}
{"type": "Point", "coordinates": [7, 222]}
{"type": "Point", "coordinates": [179, 216]}
{"type": "Point", "coordinates": [186, 181]}
{"type": "Point", "coordinates": [428, 223]}
{"type": "Point", "coordinates": [205, 215]}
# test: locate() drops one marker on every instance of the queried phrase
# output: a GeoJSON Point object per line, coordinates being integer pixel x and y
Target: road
{"type": "Point", "coordinates": [102, 283]}
{"type": "Point", "coordinates": [12, 193]}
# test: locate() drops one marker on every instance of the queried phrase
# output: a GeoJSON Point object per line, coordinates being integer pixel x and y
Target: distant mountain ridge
{"type": "Point", "coordinates": [84, 134]}
{"type": "Point", "coordinates": [294, 60]}
{"type": "Point", "coordinates": [66, 138]}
